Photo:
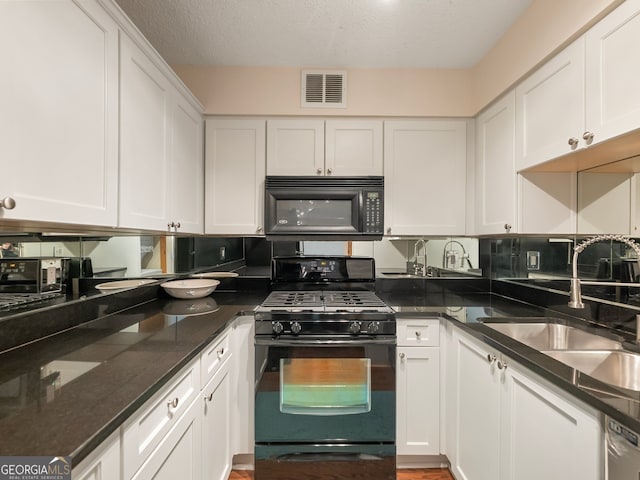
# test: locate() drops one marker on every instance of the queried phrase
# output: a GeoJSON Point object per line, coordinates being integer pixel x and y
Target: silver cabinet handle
{"type": "Point", "coordinates": [220, 352]}
{"type": "Point", "coordinates": [319, 171]}
{"type": "Point", "coordinates": [259, 230]}
{"type": "Point", "coordinates": [573, 142]}
{"type": "Point", "coordinates": [507, 227]}
{"type": "Point", "coordinates": [170, 225]}
{"type": "Point", "coordinates": [177, 225]}
{"type": "Point", "coordinates": [502, 365]}
{"type": "Point", "coordinates": [491, 358]}
{"type": "Point", "coordinates": [329, 171]}
{"type": "Point", "coordinates": [418, 333]}
{"type": "Point", "coordinates": [173, 403]}
{"type": "Point", "coordinates": [7, 203]}
{"type": "Point", "coordinates": [208, 398]}
{"type": "Point", "coordinates": [402, 355]}
{"type": "Point", "coordinates": [389, 230]}
{"type": "Point", "coordinates": [588, 137]}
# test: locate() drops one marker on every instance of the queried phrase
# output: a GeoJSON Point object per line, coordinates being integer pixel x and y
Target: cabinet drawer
{"type": "Point", "coordinates": [144, 431]}
{"type": "Point", "coordinates": [214, 356]}
{"type": "Point", "coordinates": [422, 332]}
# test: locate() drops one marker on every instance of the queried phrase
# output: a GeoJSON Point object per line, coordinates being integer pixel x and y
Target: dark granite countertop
{"type": "Point", "coordinates": [64, 395]}
{"type": "Point", "coordinates": [470, 312]}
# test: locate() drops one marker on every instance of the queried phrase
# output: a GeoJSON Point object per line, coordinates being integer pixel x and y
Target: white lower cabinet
{"type": "Point", "coordinates": [179, 453]}
{"type": "Point", "coordinates": [417, 387]}
{"type": "Point", "coordinates": [508, 424]}
{"type": "Point", "coordinates": [103, 463]}
{"type": "Point", "coordinates": [216, 425]}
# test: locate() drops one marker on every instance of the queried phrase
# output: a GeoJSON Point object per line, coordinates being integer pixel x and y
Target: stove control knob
{"type": "Point", "coordinates": [374, 327]}
{"type": "Point", "coordinates": [354, 327]}
{"type": "Point", "coordinates": [277, 328]}
{"type": "Point", "coordinates": [295, 328]}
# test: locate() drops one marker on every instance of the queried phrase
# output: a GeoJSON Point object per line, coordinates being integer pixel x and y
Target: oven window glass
{"type": "Point", "coordinates": [325, 386]}
{"type": "Point", "coordinates": [314, 213]}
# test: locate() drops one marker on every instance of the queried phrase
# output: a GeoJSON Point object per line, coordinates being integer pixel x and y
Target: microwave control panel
{"type": "Point", "coordinates": [372, 212]}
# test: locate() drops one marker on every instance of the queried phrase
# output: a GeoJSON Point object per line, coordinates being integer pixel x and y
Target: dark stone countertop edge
{"type": "Point", "coordinates": [87, 447]}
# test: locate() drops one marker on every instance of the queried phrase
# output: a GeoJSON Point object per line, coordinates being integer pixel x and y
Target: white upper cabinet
{"type": "Point", "coordinates": [612, 70]}
{"type": "Point", "coordinates": [186, 180]}
{"type": "Point", "coordinates": [550, 108]}
{"type": "Point", "coordinates": [59, 97]}
{"type": "Point", "coordinates": [353, 147]}
{"type": "Point", "coordinates": [235, 170]}
{"type": "Point", "coordinates": [295, 147]}
{"type": "Point", "coordinates": [496, 178]}
{"type": "Point", "coordinates": [145, 104]}
{"type": "Point", "coordinates": [425, 177]}
{"type": "Point", "coordinates": [161, 153]}
{"type": "Point", "coordinates": [586, 94]}
{"type": "Point", "coordinates": [310, 147]}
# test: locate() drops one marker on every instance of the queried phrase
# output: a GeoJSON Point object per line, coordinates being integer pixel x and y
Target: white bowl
{"type": "Point", "coordinates": [215, 275]}
{"type": "Point", "coordinates": [122, 284]}
{"type": "Point", "coordinates": [190, 287]}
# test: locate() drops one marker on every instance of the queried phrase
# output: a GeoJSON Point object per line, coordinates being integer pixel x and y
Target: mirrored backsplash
{"type": "Point", "coordinates": [547, 262]}
{"type": "Point", "coordinates": [543, 262]}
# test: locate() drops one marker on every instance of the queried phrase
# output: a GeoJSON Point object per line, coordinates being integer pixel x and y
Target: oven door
{"type": "Point", "coordinates": [325, 393]}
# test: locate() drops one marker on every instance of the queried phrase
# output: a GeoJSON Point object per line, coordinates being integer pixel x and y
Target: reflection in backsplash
{"type": "Point", "coordinates": [547, 262]}
{"type": "Point", "coordinates": [551, 258]}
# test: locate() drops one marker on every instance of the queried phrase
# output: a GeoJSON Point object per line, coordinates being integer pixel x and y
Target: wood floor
{"type": "Point", "coordinates": [404, 474]}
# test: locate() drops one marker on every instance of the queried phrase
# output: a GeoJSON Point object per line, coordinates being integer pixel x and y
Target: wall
{"type": "Point", "coordinates": [544, 26]}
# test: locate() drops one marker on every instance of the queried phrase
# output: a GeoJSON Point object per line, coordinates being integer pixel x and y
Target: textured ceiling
{"type": "Point", "coordinates": [324, 33]}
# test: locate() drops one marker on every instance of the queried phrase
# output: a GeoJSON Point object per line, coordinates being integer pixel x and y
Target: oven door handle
{"type": "Point", "coordinates": [327, 457]}
{"type": "Point", "coordinates": [323, 342]}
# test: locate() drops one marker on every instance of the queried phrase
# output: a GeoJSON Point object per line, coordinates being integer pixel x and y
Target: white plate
{"type": "Point", "coordinates": [215, 275]}
{"type": "Point", "coordinates": [122, 284]}
{"type": "Point", "coordinates": [190, 287]}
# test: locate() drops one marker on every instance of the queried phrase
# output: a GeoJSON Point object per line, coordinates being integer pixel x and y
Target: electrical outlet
{"type": "Point", "coordinates": [533, 260]}
{"type": "Point", "coordinates": [223, 253]}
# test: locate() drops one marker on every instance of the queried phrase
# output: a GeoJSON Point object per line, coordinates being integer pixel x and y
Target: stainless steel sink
{"type": "Point", "coordinates": [621, 369]}
{"type": "Point", "coordinates": [554, 336]}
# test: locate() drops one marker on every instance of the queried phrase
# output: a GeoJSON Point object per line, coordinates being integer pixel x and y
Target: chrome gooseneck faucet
{"type": "Point", "coordinates": [575, 295]}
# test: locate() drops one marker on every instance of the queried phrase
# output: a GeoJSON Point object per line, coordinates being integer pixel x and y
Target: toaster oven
{"type": "Point", "coordinates": [32, 275]}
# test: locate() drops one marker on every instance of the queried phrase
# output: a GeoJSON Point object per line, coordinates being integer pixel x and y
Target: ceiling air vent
{"type": "Point", "coordinates": [324, 88]}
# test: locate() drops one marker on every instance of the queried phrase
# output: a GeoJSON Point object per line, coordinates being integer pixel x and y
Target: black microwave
{"type": "Point", "coordinates": [324, 208]}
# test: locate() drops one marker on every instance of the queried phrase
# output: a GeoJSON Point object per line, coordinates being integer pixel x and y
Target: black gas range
{"type": "Point", "coordinates": [325, 348]}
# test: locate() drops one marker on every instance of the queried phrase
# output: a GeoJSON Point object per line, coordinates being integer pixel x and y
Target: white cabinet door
{"type": "Point", "coordinates": [59, 121]}
{"type": "Point", "coordinates": [179, 455]}
{"type": "Point", "coordinates": [546, 436]}
{"type": "Point", "coordinates": [353, 147]}
{"type": "Point", "coordinates": [235, 170]}
{"type": "Point", "coordinates": [295, 147]}
{"type": "Point", "coordinates": [476, 412]}
{"type": "Point", "coordinates": [418, 401]}
{"type": "Point", "coordinates": [550, 108]}
{"type": "Point", "coordinates": [243, 386]}
{"type": "Point", "coordinates": [185, 189]}
{"type": "Point", "coordinates": [145, 103]}
{"type": "Point", "coordinates": [101, 464]}
{"type": "Point", "coordinates": [425, 177]}
{"type": "Point", "coordinates": [612, 72]}
{"type": "Point", "coordinates": [216, 425]}
{"type": "Point", "coordinates": [496, 178]}
{"type": "Point", "coordinates": [547, 203]}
